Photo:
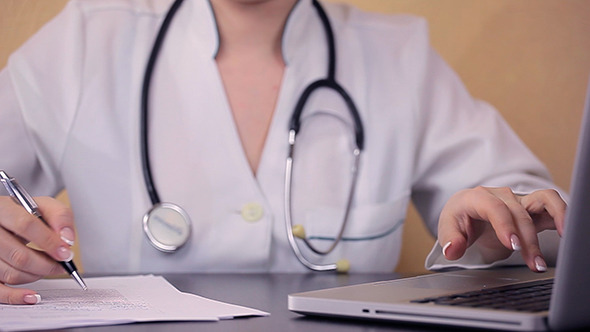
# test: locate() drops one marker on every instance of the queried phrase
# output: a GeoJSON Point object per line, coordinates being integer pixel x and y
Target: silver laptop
{"type": "Point", "coordinates": [471, 297]}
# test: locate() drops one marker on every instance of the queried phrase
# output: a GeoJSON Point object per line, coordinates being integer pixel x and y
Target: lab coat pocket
{"type": "Point", "coordinates": [372, 237]}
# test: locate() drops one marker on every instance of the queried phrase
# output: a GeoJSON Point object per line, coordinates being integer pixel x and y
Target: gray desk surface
{"type": "Point", "coordinates": [267, 292]}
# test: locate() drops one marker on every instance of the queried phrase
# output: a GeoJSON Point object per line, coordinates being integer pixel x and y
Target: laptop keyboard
{"type": "Point", "coordinates": [531, 296]}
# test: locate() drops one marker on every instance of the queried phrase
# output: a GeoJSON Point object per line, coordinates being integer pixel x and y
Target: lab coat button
{"type": "Point", "coordinates": [252, 212]}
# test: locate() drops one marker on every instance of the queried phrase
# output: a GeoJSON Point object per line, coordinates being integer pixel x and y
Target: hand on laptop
{"type": "Point", "coordinates": [21, 264]}
{"type": "Point", "coordinates": [500, 222]}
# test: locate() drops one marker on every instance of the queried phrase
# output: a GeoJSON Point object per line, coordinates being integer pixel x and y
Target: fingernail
{"type": "Point", "coordinates": [65, 254]}
{"type": "Point", "coordinates": [515, 242]}
{"type": "Point", "coordinates": [540, 264]}
{"type": "Point", "coordinates": [32, 298]}
{"type": "Point", "coordinates": [67, 235]}
{"type": "Point", "coordinates": [446, 246]}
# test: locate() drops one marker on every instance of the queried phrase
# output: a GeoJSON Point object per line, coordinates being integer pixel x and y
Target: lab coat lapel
{"type": "Point", "coordinates": [188, 95]}
{"type": "Point", "coordinates": [299, 71]}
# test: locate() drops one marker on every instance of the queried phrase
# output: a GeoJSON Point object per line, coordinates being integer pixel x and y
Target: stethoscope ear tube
{"type": "Point", "coordinates": [294, 125]}
{"type": "Point", "coordinates": [295, 122]}
{"type": "Point", "coordinates": [342, 266]}
{"type": "Point", "coordinates": [329, 82]}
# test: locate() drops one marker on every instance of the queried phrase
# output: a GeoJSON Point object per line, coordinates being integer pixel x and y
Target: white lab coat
{"type": "Point", "coordinates": [70, 106]}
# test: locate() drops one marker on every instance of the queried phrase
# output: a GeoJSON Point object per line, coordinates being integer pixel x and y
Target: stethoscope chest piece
{"type": "Point", "coordinates": [167, 226]}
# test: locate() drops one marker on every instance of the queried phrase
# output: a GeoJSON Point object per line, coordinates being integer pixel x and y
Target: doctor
{"type": "Point", "coordinates": [222, 93]}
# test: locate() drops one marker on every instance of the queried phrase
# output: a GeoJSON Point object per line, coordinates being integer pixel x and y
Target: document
{"type": "Point", "coordinates": [113, 300]}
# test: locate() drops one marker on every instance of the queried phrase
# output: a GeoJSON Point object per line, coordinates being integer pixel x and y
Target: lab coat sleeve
{"type": "Point", "coordinates": [39, 90]}
{"type": "Point", "coordinates": [18, 154]}
{"type": "Point", "coordinates": [549, 241]}
{"type": "Point", "coordinates": [464, 143]}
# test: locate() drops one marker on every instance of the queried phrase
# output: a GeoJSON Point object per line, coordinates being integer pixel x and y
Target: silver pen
{"type": "Point", "coordinates": [20, 195]}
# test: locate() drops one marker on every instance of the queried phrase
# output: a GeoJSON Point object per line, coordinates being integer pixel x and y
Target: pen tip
{"type": "Point", "coordinates": [79, 280]}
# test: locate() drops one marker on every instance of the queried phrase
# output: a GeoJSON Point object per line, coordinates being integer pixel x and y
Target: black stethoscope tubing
{"type": "Point", "coordinates": [295, 122]}
{"type": "Point", "coordinates": [145, 92]}
{"type": "Point", "coordinates": [328, 82]}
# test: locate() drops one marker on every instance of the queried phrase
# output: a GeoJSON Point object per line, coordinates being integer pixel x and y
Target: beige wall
{"type": "Point", "coordinates": [529, 58]}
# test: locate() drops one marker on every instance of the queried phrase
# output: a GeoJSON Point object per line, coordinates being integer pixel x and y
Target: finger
{"type": "Point", "coordinates": [525, 239]}
{"type": "Point", "coordinates": [9, 295]}
{"type": "Point", "coordinates": [13, 276]}
{"type": "Point", "coordinates": [453, 243]}
{"type": "Point", "coordinates": [456, 230]}
{"type": "Point", "coordinates": [453, 234]}
{"type": "Point", "coordinates": [531, 251]}
{"type": "Point", "coordinates": [551, 208]}
{"type": "Point", "coordinates": [26, 263]}
{"type": "Point", "coordinates": [545, 202]}
{"type": "Point", "coordinates": [529, 243]}
{"type": "Point", "coordinates": [464, 219]}
{"type": "Point", "coordinates": [17, 221]}
{"type": "Point", "coordinates": [520, 216]}
{"type": "Point", "coordinates": [59, 217]}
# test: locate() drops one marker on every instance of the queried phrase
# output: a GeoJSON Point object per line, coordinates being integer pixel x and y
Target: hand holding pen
{"type": "Point", "coordinates": [20, 225]}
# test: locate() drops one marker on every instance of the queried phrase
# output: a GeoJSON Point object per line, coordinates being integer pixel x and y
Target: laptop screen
{"type": "Point", "coordinates": [571, 290]}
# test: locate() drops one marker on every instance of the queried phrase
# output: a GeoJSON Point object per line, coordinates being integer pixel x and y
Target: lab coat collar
{"type": "Point", "coordinates": [204, 27]}
{"type": "Point", "coordinates": [301, 21]}
{"type": "Point", "coordinates": [299, 29]}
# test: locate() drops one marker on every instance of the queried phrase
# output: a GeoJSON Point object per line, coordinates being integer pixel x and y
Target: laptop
{"type": "Point", "coordinates": [454, 298]}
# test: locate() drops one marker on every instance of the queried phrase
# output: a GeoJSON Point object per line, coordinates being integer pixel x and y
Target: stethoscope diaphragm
{"type": "Point", "coordinates": [167, 226]}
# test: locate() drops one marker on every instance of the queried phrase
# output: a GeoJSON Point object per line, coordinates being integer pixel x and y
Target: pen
{"type": "Point", "coordinates": [21, 196]}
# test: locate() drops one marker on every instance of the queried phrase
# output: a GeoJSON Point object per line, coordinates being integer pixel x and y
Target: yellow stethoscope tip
{"type": "Point", "coordinates": [298, 231]}
{"type": "Point", "coordinates": [342, 266]}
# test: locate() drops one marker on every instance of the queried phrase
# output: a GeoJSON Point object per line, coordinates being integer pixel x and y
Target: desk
{"type": "Point", "coordinates": [267, 292]}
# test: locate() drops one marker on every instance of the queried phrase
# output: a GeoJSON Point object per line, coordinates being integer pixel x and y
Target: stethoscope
{"type": "Point", "coordinates": [168, 226]}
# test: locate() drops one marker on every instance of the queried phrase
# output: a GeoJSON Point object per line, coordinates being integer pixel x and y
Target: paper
{"type": "Point", "coordinates": [113, 300]}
